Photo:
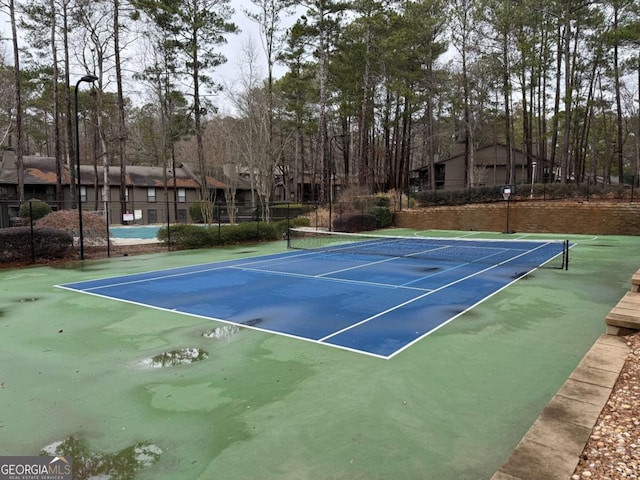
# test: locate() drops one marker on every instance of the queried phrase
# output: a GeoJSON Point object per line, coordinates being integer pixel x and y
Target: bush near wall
{"type": "Point", "coordinates": [546, 191]}
{"type": "Point", "coordinates": [200, 210]}
{"type": "Point", "coordinates": [16, 244]}
{"type": "Point", "coordinates": [288, 210]}
{"type": "Point", "coordinates": [384, 217]}
{"type": "Point", "coordinates": [34, 209]}
{"type": "Point", "coordinates": [355, 222]}
{"type": "Point", "coordinates": [193, 236]}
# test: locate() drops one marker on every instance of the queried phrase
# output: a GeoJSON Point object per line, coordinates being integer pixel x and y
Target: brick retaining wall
{"type": "Point", "coordinates": [596, 218]}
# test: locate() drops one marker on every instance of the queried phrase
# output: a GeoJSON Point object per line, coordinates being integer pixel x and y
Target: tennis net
{"type": "Point", "coordinates": [526, 253]}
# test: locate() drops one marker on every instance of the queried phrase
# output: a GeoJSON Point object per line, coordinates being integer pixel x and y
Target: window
{"type": "Point", "coordinates": [151, 195]}
{"type": "Point", "coordinates": [182, 195]}
{"type": "Point", "coordinates": [182, 215]}
{"type": "Point", "coordinates": [152, 215]}
{"type": "Point", "coordinates": [83, 193]}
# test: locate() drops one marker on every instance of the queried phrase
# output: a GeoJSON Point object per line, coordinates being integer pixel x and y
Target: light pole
{"type": "Point", "coordinates": [339, 135]}
{"type": "Point", "coordinates": [88, 79]}
{"type": "Point", "coordinates": [637, 167]}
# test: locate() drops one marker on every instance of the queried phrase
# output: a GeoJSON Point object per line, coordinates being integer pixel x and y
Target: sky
{"type": "Point", "coordinates": [227, 74]}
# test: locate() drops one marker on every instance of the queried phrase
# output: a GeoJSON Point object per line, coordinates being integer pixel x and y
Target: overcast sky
{"type": "Point", "coordinates": [226, 74]}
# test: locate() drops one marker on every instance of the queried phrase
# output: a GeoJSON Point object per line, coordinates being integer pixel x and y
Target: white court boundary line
{"type": "Point", "coordinates": [296, 257]}
{"type": "Point", "coordinates": [419, 297]}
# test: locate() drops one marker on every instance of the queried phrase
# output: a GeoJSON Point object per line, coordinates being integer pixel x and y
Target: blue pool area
{"type": "Point", "coordinates": [147, 231]}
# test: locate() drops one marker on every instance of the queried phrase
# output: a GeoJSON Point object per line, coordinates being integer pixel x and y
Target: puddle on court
{"type": "Point", "coordinates": [427, 269]}
{"type": "Point", "coordinates": [123, 464]}
{"type": "Point", "coordinates": [28, 300]}
{"type": "Point", "coordinates": [182, 356]}
{"type": "Point", "coordinates": [253, 322]}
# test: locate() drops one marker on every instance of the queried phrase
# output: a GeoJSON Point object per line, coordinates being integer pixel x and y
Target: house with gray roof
{"type": "Point", "coordinates": [151, 194]}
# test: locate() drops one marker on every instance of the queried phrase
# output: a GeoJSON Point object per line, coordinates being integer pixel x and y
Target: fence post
{"type": "Point", "coordinates": [108, 238]}
{"type": "Point", "coordinates": [169, 224]}
{"type": "Point", "coordinates": [33, 245]}
{"type": "Point", "coordinates": [258, 210]}
{"type": "Point", "coordinates": [219, 215]}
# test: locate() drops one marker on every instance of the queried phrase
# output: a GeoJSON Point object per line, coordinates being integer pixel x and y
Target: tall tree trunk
{"type": "Point", "coordinates": [122, 129]}
{"type": "Point", "coordinates": [363, 140]}
{"type": "Point", "coordinates": [17, 101]}
{"type": "Point", "coordinates": [468, 155]}
{"type": "Point", "coordinates": [322, 122]}
{"type": "Point", "coordinates": [556, 107]}
{"type": "Point", "coordinates": [506, 86]}
{"type": "Point", "coordinates": [616, 74]}
{"type": "Point", "coordinates": [70, 144]}
{"type": "Point", "coordinates": [56, 107]}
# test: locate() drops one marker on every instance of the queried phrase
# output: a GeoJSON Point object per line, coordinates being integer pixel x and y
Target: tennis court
{"type": "Point", "coordinates": [259, 404]}
{"type": "Point", "coordinates": [375, 295]}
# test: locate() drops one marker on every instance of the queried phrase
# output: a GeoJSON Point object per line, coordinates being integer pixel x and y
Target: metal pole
{"type": "Point", "coordinates": [533, 176]}
{"type": "Point", "coordinates": [88, 79]}
{"type": "Point", "coordinates": [33, 245]}
{"type": "Point", "coordinates": [508, 202]}
{"type": "Point", "coordinates": [331, 170]}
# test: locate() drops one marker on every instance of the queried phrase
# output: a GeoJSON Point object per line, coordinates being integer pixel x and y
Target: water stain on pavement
{"type": "Point", "coordinates": [123, 464]}
{"type": "Point", "coordinates": [182, 356]}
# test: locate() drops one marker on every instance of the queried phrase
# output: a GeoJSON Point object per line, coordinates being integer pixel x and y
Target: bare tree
{"type": "Point", "coordinates": [10, 7]}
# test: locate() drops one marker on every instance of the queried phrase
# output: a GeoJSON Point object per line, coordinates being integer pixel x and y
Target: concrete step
{"type": "Point", "coordinates": [626, 314]}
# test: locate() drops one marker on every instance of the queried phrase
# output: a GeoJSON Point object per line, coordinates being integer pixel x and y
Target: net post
{"type": "Point", "coordinates": [288, 237]}
{"type": "Point", "coordinates": [566, 254]}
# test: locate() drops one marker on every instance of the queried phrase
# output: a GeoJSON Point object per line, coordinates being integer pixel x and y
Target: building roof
{"type": "Point", "coordinates": [39, 170]}
{"type": "Point", "coordinates": [493, 155]}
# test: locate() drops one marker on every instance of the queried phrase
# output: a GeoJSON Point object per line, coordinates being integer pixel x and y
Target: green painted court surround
{"type": "Point", "coordinates": [264, 406]}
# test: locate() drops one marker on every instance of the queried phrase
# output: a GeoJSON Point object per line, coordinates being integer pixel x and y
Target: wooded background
{"type": "Point", "coordinates": [366, 92]}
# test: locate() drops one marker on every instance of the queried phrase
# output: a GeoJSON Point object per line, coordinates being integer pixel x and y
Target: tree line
{"type": "Point", "coordinates": [371, 89]}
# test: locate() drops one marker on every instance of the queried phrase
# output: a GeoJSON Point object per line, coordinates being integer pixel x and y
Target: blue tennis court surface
{"type": "Point", "coordinates": [367, 302]}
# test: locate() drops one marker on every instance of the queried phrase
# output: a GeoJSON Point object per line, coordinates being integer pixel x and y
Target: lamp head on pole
{"type": "Point", "coordinates": [88, 79]}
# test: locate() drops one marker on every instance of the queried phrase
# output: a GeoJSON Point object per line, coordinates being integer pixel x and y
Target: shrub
{"type": "Point", "coordinates": [364, 203]}
{"type": "Point", "coordinates": [202, 211]}
{"type": "Point", "coordinates": [459, 197]}
{"type": "Point", "coordinates": [355, 222]}
{"type": "Point", "coordinates": [34, 209]}
{"type": "Point", "coordinates": [384, 217]}
{"type": "Point", "coordinates": [383, 201]}
{"type": "Point", "coordinates": [194, 236]}
{"type": "Point", "coordinates": [15, 243]}
{"type": "Point", "coordinates": [289, 210]}
{"type": "Point", "coordinates": [281, 225]}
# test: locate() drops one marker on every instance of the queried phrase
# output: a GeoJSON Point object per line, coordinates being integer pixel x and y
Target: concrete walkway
{"type": "Point", "coordinates": [551, 448]}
